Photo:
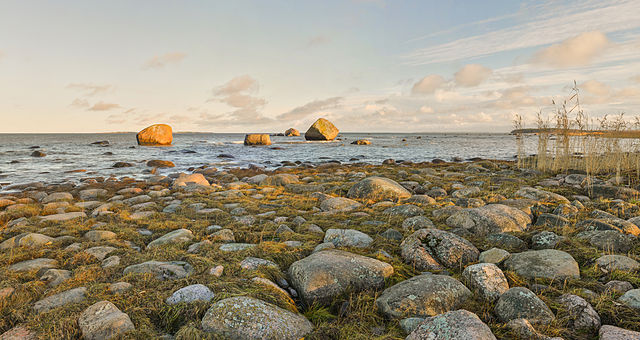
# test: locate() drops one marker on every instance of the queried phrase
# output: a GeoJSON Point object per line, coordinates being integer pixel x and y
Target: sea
{"type": "Point", "coordinates": [73, 157]}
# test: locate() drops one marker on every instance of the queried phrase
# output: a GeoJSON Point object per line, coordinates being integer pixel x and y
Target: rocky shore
{"type": "Point", "coordinates": [477, 250]}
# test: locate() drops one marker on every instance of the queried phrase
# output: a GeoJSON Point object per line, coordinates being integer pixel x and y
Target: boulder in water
{"type": "Point", "coordinates": [322, 129]}
{"type": "Point", "coordinates": [154, 135]}
{"type": "Point", "coordinates": [292, 132]}
{"type": "Point", "coordinates": [257, 139]}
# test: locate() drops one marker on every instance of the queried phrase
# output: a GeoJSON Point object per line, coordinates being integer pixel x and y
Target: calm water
{"type": "Point", "coordinates": [68, 152]}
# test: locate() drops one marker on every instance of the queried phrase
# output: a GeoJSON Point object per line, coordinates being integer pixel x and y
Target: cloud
{"type": "Point", "coordinates": [595, 87]}
{"type": "Point", "coordinates": [238, 84]}
{"type": "Point", "coordinates": [426, 109]}
{"type": "Point", "coordinates": [539, 24]}
{"type": "Point", "coordinates": [239, 93]}
{"type": "Point", "coordinates": [307, 109]}
{"type": "Point", "coordinates": [472, 75]}
{"type": "Point", "coordinates": [81, 103]}
{"type": "Point", "coordinates": [318, 40]}
{"type": "Point", "coordinates": [636, 79]}
{"type": "Point", "coordinates": [90, 89]}
{"type": "Point", "coordinates": [428, 84]}
{"type": "Point", "coordinates": [576, 51]}
{"type": "Point", "coordinates": [158, 62]}
{"type": "Point", "coordinates": [102, 106]}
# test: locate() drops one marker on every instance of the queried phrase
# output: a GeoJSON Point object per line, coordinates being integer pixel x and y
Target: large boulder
{"type": "Point", "coordinates": [291, 132]}
{"type": "Point", "coordinates": [374, 189]}
{"type": "Point", "coordinates": [157, 134]}
{"type": "Point", "coordinates": [422, 296]}
{"type": "Point", "coordinates": [103, 320]}
{"type": "Point", "coordinates": [257, 139]}
{"type": "Point", "coordinates": [546, 263]}
{"type": "Point", "coordinates": [244, 317]}
{"type": "Point", "coordinates": [521, 303]}
{"type": "Point", "coordinates": [454, 325]}
{"type": "Point", "coordinates": [492, 218]}
{"type": "Point", "coordinates": [580, 313]}
{"type": "Point", "coordinates": [329, 273]}
{"type": "Point", "coordinates": [322, 129]}
{"type": "Point", "coordinates": [435, 249]}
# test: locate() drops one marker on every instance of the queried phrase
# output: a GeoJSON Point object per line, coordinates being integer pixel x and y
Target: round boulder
{"type": "Point", "coordinates": [434, 249]}
{"type": "Point", "coordinates": [375, 189]}
{"type": "Point", "coordinates": [291, 132]}
{"type": "Point", "coordinates": [521, 303]}
{"type": "Point", "coordinates": [546, 263]}
{"type": "Point", "coordinates": [454, 325]}
{"type": "Point", "coordinates": [257, 139]}
{"type": "Point", "coordinates": [492, 218]}
{"type": "Point", "coordinates": [158, 134]}
{"type": "Point", "coordinates": [322, 129]}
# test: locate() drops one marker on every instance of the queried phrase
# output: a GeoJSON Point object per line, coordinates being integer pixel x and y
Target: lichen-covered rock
{"type": "Point", "coordinates": [545, 240]}
{"type": "Point", "coordinates": [608, 332]}
{"type": "Point", "coordinates": [609, 263]}
{"type": "Point", "coordinates": [155, 135]}
{"type": "Point", "coordinates": [29, 240]}
{"type": "Point", "coordinates": [631, 298]}
{"type": "Point", "coordinates": [253, 263]}
{"type": "Point", "coordinates": [35, 264]}
{"type": "Point", "coordinates": [416, 222]}
{"type": "Point", "coordinates": [521, 303]}
{"type": "Point", "coordinates": [423, 295]}
{"type": "Point", "coordinates": [486, 279]}
{"type": "Point", "coordinates": [339, 204]}
{"type": "Point", "coordinates": [375, 189]}
{"type": "Point", "coordinates": [608, 240]}
{"type": "Point", "coordinates": [610, 191]}
{"type": "Point", "coordinates": [546, 263]}
{"type": "Point", "coordinates": [322, 129]}
{"type": "Point", "coordinates": [492, 218]}
{"type": "Point", "coordinates": [326, 274]}
{"type": "Point", "coordinates": [280, 180]}
{"type": "Point", "coordinates": [580, 314]}
{"type": "Point", "coordinates": [191, 293]}
{"type": "Point", "coordinates": [406, 210]}
{"type": "Point", "coordinates": [541, 195]}
{"type": "Point", "coordinates": [162, 270]}
{"type": "Point", "coordinates": [176, 236]}
{"type": "Point", "coordinates": [75, 295]}
{"type": "Point", "coordinates": [103, 320]}
{"type": "Point", "coordinates": [453, 325]}
{"type": "Point", "coordinates": [243, 317]}
{"type": "Point", "coordinates": [494, 255]}
{"type": "Point", "coordinates": [434, 249]}
{"type": "Point", "coordinates": [347, 238]}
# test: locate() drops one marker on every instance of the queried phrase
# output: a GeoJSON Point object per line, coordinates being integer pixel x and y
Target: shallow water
{"type": "Point", "coordinates": [68, 152]}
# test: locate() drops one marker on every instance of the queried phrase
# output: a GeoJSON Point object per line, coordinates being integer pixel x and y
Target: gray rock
{"type": "Point", "coordinates": [70, 296]}
{"type": "Point", "coordinates": [551, 220]}
{"type": "Point", "coordinates": [609, 191]}
{"type": "Point", "coordinates": [253, 263]}
{"type": "Point", "coordinates": [29, 240]}
{"type": "Point", "coordinates": [581, 316]}
{"type": "Point", "coordinates": [540, 195]}
{"type": "Point", "coordinates": [494, 255]}
{"type": "Point", "coordinates": [631, 298]}
{"type": "Point", "coordinates": [545, 240]}
{"type": "Point", "coordinates": [523, 329]}
{"type": "Point", "coordinates": [229, 247]}
{"type": "Point", "coordinates": [608, 240]}
{"type": "Point", "coordinates": [100, 252]}
{"type": "Point", "coordinates": [99, 235]}
{"type": "Point", "coordinates": [326, 274]}
{"type": "Point", "coordinates": [347, 238]}
{"type": "Point", "coordinates": [392, 234]}
{"type": "Point", "coordinates": [406, 210]}
{"type": "Point", "coordinates": [196, 292]}
{"type": "Point", "coordinates": [417, 222]}
{"type": "Point", "coordinates": [454, 325]}
{"type": "Point", "coordinates": [35, 264]}
{"type": "Point", "coordinates": [505, 241]}
{"type": "Point", "coordinates": [176, 236]}
{"type": "Point", "coordinates": [243, 317]}
{"type": "Point", "coordinates": [609, 263]}
{"type": "Point", "coordinates": [520, 302]}
{"type": "Point", "coordinates": [119, 287]}
{"type": "Point", "coordinates": [617, 286]}
{"type": "Point", "coordinates": [103, 320]}
{"type": "Point", "coordinates": [375, 189]}
{"type": "Point", "coordinates": [339, 204]}
{"type": "Point", "coordinates": [433, 249]}
{"type": "Point", "coordinates": [408, 325]}
{"type": "Point", "coordinates": [492, 218]}
{"type": "Point", "coordinates": [162, 270]}
{"type": "Point", "coordinates": [422, 296]}
{"type": "Point", "coordinates": [64, 217]}
{"type": "Point", "coordinates": [55, 277]}
{"type": "Point", "coordinates": [608, 332]}
{"type": "Point", "coordinates": [546, 263]}
{"type": "Point", "coordinates": [57, 197]}
{"type": "Point", "coordinates": [486, 279]}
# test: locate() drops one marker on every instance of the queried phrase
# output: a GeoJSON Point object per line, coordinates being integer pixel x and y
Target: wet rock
{"type": "Point", "coordinates": [520, 302]}
{"type": "Point", "coordinates": [454, 325]}
{"type": "Point", "coordinates": [322, 129]}
{"type": "Point", "coordinates": [486, 279]}
{"type": "Point", "coordinates": [196, 292]}
{"type": "Point", "coordinates": [375, 189]}
{"type": "Point", "coordinates": [162, 270]}
{"type": "Point", "coordinates": [291, 132]}
{"type": "Point", "coordinates": [157, 163]}
{"type": "Point", "coordinates": [546, 263]}
{"type": "Point", "coordinates": [434, 249]}
{"type": "Point", "coordinates": [103, 320]}
{"type": "Point", "coordinates": [326, 274]}
{"type": "Point", "coordinates": [155, 135]}
{"type": "Point", "coordinates": [580, 314]}
{"type": "Point", "coordinates": [423, 295]}
{"type": "Point", "coordinates": [38, 154]}
{"type": "Point", "coordinates": [347, 238]}
{"type": "Point", "coordinates": [122, 165]}
{"type": "Point", "coordinates": [176, 236]}
{"type": "Point", "coordinates": [492, 218]}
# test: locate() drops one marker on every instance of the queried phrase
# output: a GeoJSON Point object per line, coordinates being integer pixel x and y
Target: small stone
{"type": "Point", "coordinates": [196, 292]}
{"type": "Point", "coordinates": [216, 271]}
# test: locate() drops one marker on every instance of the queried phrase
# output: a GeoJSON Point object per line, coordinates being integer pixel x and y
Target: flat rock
{"type": "Point", "coordinates": [243, 317]}
{"type": "Point", "coordinates": [176, 236]}
{"type": "Point", "coordinates": [162, 270]}
{"type": "Point", "coordinates": [29, 240]}
{"type": "Point", "coordinates": [422, 296]}
{"type": "Point", "coordinates": [492, 218]}
{"type": "Point", "coordinates": [75, 295]}
{"type": "Point", "coordinates": [453, 325]}
{"type": "Point", "coordinates": [609, 263]}
{"type": "Point", "coordinates": [35, 264]}
{"type": "Point", "coordinates": [546, 263]}
{"type": "Point", "coordinates": [336, 204]}
{"type": "Point", "coordinates": [64, 217]}
{"type": "Point", "coordinates": [347, 238]}
{"type": "Point", "coordinates": [540, 195]}
{"type": "Point", "coordinates": [329, 273]}
{"type": "Point", "coordinates": [608, 332]}
{"type": "Point", "coordinates": [375, 189]}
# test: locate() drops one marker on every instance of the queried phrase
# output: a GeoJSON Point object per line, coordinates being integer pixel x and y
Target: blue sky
{"type": "Point", "coordinates": [264, 66]}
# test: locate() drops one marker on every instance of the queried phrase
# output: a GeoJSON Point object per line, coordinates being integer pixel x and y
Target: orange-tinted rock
{"type": "Point", "coordinates": [322, 129]}
{"type": "Point", "coordinates": [257, 139]}
{"type": "Point", "coordinates": [158, 134]}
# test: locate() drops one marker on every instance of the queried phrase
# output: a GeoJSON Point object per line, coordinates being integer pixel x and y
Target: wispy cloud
{"type": "Point", "coordinates": [472, 75]}
{"type": "Point", "coordinates": [241, 94]}
{"type": "Point", "coordinates": [307, 109]}
{"type": "Point", "coordinates": [90, 89]}
{"type": "Point", "coordinates": [540, 26]}
{"type": "Point", "coordinates": [318, 40]}
{"type": "Point", "coordinates": [160, 61]}
{"type": "Point", "coordinates": [102, 106]}
{"type": "Point", "coordinates": [575, 51]}
{"type": "Point", "coordinates": [428, 84]}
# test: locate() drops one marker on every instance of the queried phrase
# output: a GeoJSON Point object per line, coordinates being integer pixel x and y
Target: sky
{"type": "Point", "coordinates": [265, 66]}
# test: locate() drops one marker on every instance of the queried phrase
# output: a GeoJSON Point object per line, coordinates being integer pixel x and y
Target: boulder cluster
{"type": "Point", "coordinates": [475, 250]}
